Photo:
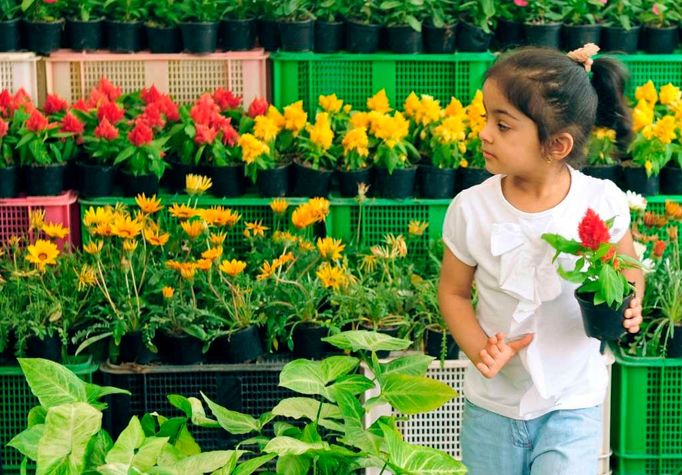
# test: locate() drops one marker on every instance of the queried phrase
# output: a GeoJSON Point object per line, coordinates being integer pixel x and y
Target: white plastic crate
{"type": "Point", "coordinates": [440, 428]}
{"type": "Point", "coordinates": [19, 70]}
{"type": "Point", "coordinates": [72, 75]}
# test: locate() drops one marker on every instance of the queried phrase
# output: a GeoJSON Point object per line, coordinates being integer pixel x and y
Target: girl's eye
{"type": "Point", "coordinates": [502, 127]}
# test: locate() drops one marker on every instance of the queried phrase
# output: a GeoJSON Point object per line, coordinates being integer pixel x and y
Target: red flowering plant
{"type": "Point", "coordinates": [42, 10]}
{"type": "Point", "coordinates": [598, 269]}
{"type": "Point", "coordinates": [140, 152]}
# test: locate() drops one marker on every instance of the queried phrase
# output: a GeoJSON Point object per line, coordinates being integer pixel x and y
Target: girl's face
{"type": "Point", "coordinates": [510, 139]}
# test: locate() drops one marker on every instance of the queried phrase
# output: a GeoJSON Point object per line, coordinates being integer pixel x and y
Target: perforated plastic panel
{"type": "Point", "coordinates": [661, 69]}
{"type": "Point", "coordinates": [19, 70]}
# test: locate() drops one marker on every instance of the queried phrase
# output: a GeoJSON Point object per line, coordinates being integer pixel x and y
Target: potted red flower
{"type": "Point", "coordinates": [604, 293]}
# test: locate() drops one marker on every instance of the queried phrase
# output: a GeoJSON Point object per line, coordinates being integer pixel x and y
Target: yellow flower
{"type": "Point", "coordinates": [642, 115]}
{"type": "Point", "coordinates": [55, 230]}
{"type": "Point", "coordinates": [204, 264]}
{"type": "Point", "coordinates": [398, 245]}
{"type": "Point", "coordinates": [360, 119]}
{"type": "Point", "coordinates": [283, 259]}
{"type": "Point", "coordinates": [255, 229]}
{"type": "Point", "coordinates": [148, 205]}
{"type": "Point", "coordinates": [284, 236]}
{"type": "Point", "coordinates": [331, 103]}
{"type": "Point", "coordinates": [412, 105]}
{"type": "Point", "coordinates": [36, 219]}
{"type": "Point", "coordinates": [187, 270]}
{"type": "Point", "coordinates": [321, 134]}
{"type": "Point", "coordinates": [233, 267]}
{"type": "Point", "coordinates": [305, 245]}
{"type": "Point", "coordinates": [96, 216]}
{"type": "Point", "coordinates": [462, 147]}
{"type": "Point", "coordinates": [319, 208]}
{"type": "Point", "coordinates": [168, 292]}
{"type": "Point", "coordinates": [368, 263]}
{"type": "Point", "coordinates": [265, 128]}
{"type": "Point", "coordinates": [174, 265]}
{"type": "Point", "coordinates": [647, 92]}
{"type": "Point", "coordinates": [197, 184]}
{"type": "Point", "coordinates": [356, 140]}
{"type": "Point", "coordinates": [379, 102]}
{"type": "Point", "coordinates": [429, 111]}
{"type": "Point", "coordinates": [605, 133]}
{"type": "Point", "coordinates": [347, 108]}
{"type": "Point", "coordinates": [217, 239]}
{"type": "Point", "coordinates": [181, 211]}
{"type": "Point", "coordinates": [664, 129]}
{"type": "Point", "coordinates": [252, 148]}
{"type": "Point", "coordinates": [451, 130]}
{"type": "Point", "coordinates": [392, 130]}
{"type": "Point", "coordinates": [219, 216]}
{"type": "Point", "coordinates": [153, 237]}
{"type": "Point", "coordinates": [276, 116]}
{"type": "Point", "coordinates": [330, 248]}
{"type": "Point", "coordinates": [193, 229]}
{"type": "Point", "coordinates": [463, 163]}
{"type": "Point", "coordinates": [332, 276]}
{"type": "Point", "coordinates": [125, 227]}
{"type": "Point", "coordinates": [213, 253]}
{"type": "Point", "coordinates": [86, 277]}
{"type": "Point", "coordinates": [670, 94]}
{"type": "Point", "coordinates": [14, 240]}
{"type": "Point", "coordinates": [129, 245]}
{"type": "Point", "coordinates": [302, 217]}
{"type": "Point", "coordinates": [417, 228]}
{"type": "Point", "coordinates": [279, 205]}
{"type": "Point", "coordinates": [295, 117]}
{"type": "Point", "coordinates": [42, 253]}
{"type": "Point", "coordinates": [267, 270]}
{"type": "Point", "coordinates": [93, 247]}
{"type": "Point", "coordinates": [454, 109]}
{"type": "Point", "coordinates": [648, 166]}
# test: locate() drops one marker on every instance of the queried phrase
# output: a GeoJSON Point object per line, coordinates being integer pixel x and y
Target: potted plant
{"type": "Point", "coordinates": [445, 152]}
{"type": "Point", "coordinates": [581, 25]}
{"type": "Point", "coordinates": [432, 330]}
{"type": "Point", "coordinates": [403, 19]}
{"type": "Point", "coordinates": [96, 165]}
{"type": "Point", "coordinates": [475, 30]}
{"type": "Point", "coordinates": [199, 25]}
{"type": "Point", "coordinates": [268, 30]}
{"type": "Point", "coordinates": [363, 26]}
{"type": "Point", "coordinates": [670, 97]}
{"type": "Point", "coordinates": [238, 26]}
{"type": "Point", "coordinates": [161, 26]}
{"type": "Point", "coordinates": [602, 154]}
{"type": "Point", "coordinates": [329, 27]}
{"type": "Point", "coordinates": [440, 26]}
{"type": "Point", "coordinates": [10, 38]}
{"type": "Point", "coordinates": [44, 23]}
{"type": "Point", "coordinates": [84, 21]}
{"type": "Point", "coordinates": [509, 31]}
{"type": "Point", "coordinates": [471, 170]}
{"type": "Point", "coordinates": [542, 23]}
{"type": "Point", "coordinates": [395, 172]}
{"type": "Point", "coordinates": [620, 31]}
{"type": "Point", "coordinates": [124, 25]}
{"type": "Point", "coordinates": [8, 170]}
{"type": "Point", "coordinates": [603, 292]}
{"type": "Point", "coordinates": [296, 25]}
{"type": "Point", "coordinates": [354, 165]}
{"type": "Point", "coordinates": [314, 167]}
{"type": "Point", "coordinates": [660, 19]}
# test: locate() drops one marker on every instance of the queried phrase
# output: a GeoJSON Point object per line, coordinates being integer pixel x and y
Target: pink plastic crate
{"type": "Point", "coordinates": [63, 209]}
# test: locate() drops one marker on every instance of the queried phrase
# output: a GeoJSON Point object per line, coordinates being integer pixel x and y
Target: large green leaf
{"type": "Point", "coordinates": [185, 443]}
{"type": "Point", "coordinates": [358, 340]}
{"type": "Point", "coordinates": [354, 384]}
{"type": "Point", "coordinates": [232, 421]}
{"type": "Point", "coordinates": [52, 383]}
{"type": "Point", "coordinates": [336, 366]}
{"type": "Point", "coordinates": [290, 446]}
{"type": "Point", "coordinates": [251, 465]}
{"type": "Point", "coordinates": [303, 376]}
{"type": "Point", "coordinates": [124, 448]}
{"type": "Point", "coordinates": [416, 365]}
{"type": "Point", "coordinates": [298, 407]}
{"type": "Point", "coordinates": [68, 429]}
{"type": "Point", "coordinates": [148, 453]}
{"type": "Point", "coordinates": [293, 465]}
{"type": "Point", "coordinates": [206, 462]}
{"type": "Point", "coordinates": [27, 441]}
{"type": "Point", "coordinates": [415, 394]}
{"type": "Point", "coordinates": [97, 449]}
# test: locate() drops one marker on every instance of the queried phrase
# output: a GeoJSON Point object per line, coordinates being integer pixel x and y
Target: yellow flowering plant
{"type": "Point", "coordinates": [476, 120]}
{"type": "Point", "coordinates": [339, 114]}
{"type": "Point", "coordinates": [317, 144]}
{"type": "Point", "coordinates": [447, 146]}
{"type": "Point", "coordinates": [393, 149]}
{"type": "Point", "coordinates": [355, 155]}
{"type": "Point", "coordinates": [602, 147]}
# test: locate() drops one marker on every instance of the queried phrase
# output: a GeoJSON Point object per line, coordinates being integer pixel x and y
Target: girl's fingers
{"type": "Point", "coordinates": [485, 371]}
{"type": "Point", "coordinates": [487, 359]}
{"type": "Point", "coordinates": [494, 351]}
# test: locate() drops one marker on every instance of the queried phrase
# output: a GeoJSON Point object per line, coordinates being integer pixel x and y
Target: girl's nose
{"type": "Point", "coordinates": [484, 134]}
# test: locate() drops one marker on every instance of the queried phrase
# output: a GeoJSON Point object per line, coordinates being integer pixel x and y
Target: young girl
{"type": "Point", "coordinates": [534, 392]}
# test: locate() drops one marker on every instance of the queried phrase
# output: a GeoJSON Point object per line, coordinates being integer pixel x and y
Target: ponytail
{"type": "Point", "coordinates": [608, 79]}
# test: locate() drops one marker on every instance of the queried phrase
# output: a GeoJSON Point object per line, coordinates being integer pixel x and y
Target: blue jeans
{"type": "Point", "coordinates": [562, 442]}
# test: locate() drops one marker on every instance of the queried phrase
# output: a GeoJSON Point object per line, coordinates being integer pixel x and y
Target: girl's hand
{"type": "Point", "coordinates": [497, 353]}
{"type": "Point", "coordinates": [633, 316]}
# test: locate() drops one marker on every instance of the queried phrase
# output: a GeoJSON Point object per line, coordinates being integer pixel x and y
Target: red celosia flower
{"type": "Point", "coordinates": [50, 1]}
{"type": "Point", "coordinates": [204, 134]}
{"type": "Point", "coordinates": [54, 104]}
{"type": "Point", "coordinates": [111, 112]}
{"type": "Point", "coordinates": [106, 131]}
{"type": "Point", "coordinates": [3, 128]}
{"type": "Point", "coordinates": [70, 123]}
{"type": "Point", "coordinates": [105, 87]}
{"type": "Point", "coordinates": [37, 121]}
{"type": "Point", "coordinates": [141, 134]}
{"type": "Point", "coordinates": [81, 105]}
{"type": "Point", "coordinates": [152, 116]}
{"type": "Point", "coordinates": [259, 106]}
{"type": "Point", "coordinates": [169, 108]}
{"type": "Point", "coordinates": [226, 100]}
{"type": "Point", "coordinates": [6, 103]}
{"type": "Point", "coordinates": [592, 230]}
{"type": "Point", "coordinates": [150, 95]}
{"type": "Point", "coordinates": [22, 99]}
{"type": "Point", "coordinates": [659, 248]}
{"type": "Point", "coordinates": [203, 111]}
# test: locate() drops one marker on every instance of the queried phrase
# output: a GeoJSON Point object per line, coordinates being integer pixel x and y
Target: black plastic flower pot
{"type": "Point", "coordinates": [9, 182]}
{"type": "Point", "coordinates": [7, 355]}
{"type": "Point", "coordinates": [576, 36]}
{"type": "Point", "coordinates": [49, 348]}
{"type": "Point", "coordinates": [174, 178]}
{"type": "Point", "coordinates": [362, 37]}
{"type": "Point", "coordinates": [472, 38]}
{"type": "Point", "coordinates": [404, 39]}
{"type": "Point", "coordinates": [124, 36]}
{"type": "Point", "coordinates": [433, 344]}
{"type": "Point", "coordinates": [95, 180]}
{"type": "Point", "coordinates": [543, 34]}
{"type": "Point", "coordinates": [436, 183]}
{"type": "Point", "coordinates": [228, 181]}
{"type": "Point", "coordinates": [268, 34]}
{"type": "Point", "coordinates": [237, 34]}
{"type": "Point", "coordinates": [660, 40]}
{"type": "Point", "coordinates": [84, 35]}
{"type": "Point", "coordinates": [133, 185]}
{"type": "Point", "coordinates": [44, 180]}
{"type": "Point", "coordinates": [350, 180]}
{"type": "Point", "coordinates": [635, 179]}
{"type": "Point", "coordinates": [508, 34]}
{"type": "Point", "coordinates": [601, 321]}
{"type": "Point", "coordinates": [43, 37]}
{"type": "Point", "coordinates": [273, 182]}
{"type": "Point", "coordinates": [329, 36]}
{"type": "Point", "coordinates": [133, 349]}
{"type": "Point", "coordinates": [163, 39]}
{"type": "Point", "coordinates": [309, 182]}
{"type": "Point", "coordinates": [297, 35]}
{"type": "Point", "coordinates": [399, 185]}
{"type": "Point", "coordinates": [199, 37]}
{"type": "Point", "coordinates": [617, 39]}
{"type": "Point", "coordinates": [605, 172]}
{"type": "Point", "coordinates": [674, 345]}
{"type": "Point", "coordinates": [179, 349]}
{"type": "Point", "coordinates": [671, 180]}
{"type": "Point", "coordinates": [10, 36]}
{"type": "Point", "coordinates": [308, 342]}
{"type": "Point", "coordinates": [468, 177]}
{"type": "Point", "coordinates": [245, 345]}
{"type": "Point", "coordinates": [439, 40]}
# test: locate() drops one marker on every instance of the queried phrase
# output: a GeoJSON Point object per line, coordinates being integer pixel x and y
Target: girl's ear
{"type": "Point", "coordinates": [560, 146]}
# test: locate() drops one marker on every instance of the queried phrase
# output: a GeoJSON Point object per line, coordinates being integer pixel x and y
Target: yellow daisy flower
{"type": "Point", "coordinates": [197, 184]}
{"type": "Point", "coordinates": [42, 253]}
{"type": "Point", "coordinates": [148, 205]}
{"type": "Point", "coordinates": [255, 229]}
{"type": "Point", "coordinates": [168, 292]}
{"type": "Point", "coordinates": [181, 211]}
{"type": "Point", "coordinates": [154, 238]}
{"type": "Point", "coordinates": [417, 228]}
{"type": "Point", "coordinates": [332, 276]}
{"type": "Point", "coordinates": [330, 248]}
{"type": "Point", "coordinates": [217, 239]}
{"type": "Point", "coordinates": [213, 253]}
{"type": "Point", "coordinates": [233, 267]}
{"type": "Point", "coordinates": [126, 227]}
{"type": "Point", "coordinates": [55, 230]}
{"type": "Point", "coordinates": [279, 205]}
{"type": "Point", "coordinates": [129, 245]}
{"type": "Point", "coordinates": [193, 229]}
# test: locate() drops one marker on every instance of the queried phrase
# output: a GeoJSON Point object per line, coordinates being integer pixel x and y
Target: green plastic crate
{"type": "Point", "coordinates": [656, 204]}
{"type": "Point", "coordinates": [355, 77]}
{"type": "Point", "coordinates": [16, 401]}
{"type": "Point", "coordinates": [660, 68]}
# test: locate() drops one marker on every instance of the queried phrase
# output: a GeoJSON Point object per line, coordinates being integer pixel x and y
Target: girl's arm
{"type": "Point", "coordinates": [633, 315]}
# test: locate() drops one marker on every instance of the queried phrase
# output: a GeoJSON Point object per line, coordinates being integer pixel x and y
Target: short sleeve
{"type": "Point", "coordinates": [455, 231]}
{"type": "Point", "coordinates": [615, 204]}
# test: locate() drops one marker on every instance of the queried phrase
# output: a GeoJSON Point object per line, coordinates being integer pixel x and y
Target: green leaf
{"type": "Point", "coordinates": [303, 376]}
{"type": "Point", "coordinates": [36, 416]}
{"type": "Point", "coordinates": [358, 340]}
{"type": "Point", "coordinates": [148, 453]}
{"type": "Point", "coordinates": [68, 429]}
{"type": "Point", "coordinates": [185, 443]}
{"type": "Point", "coordinates": [415, 24]}
{"type": "Point", "coordinates": [52, 383]}
{"type": "Point", "coordinates": [298, 407]}
{"type": "Point", "coordinates": [94, 392]}
{"type": "Point", "coordinates": [124, 155]}
{"type": "Point", "coordinates": [415, 394]}
{"type": "Point", "coordinates": [560, 243]}
{"type": "Point", "coordinates": [232, 421]}
{"type": "Point", "coordinates": [27, 441]}
{"type": "Point", "coordinates": [251, 465]}
{"type": "Point", "coordinates": [293, 465]}
{"type": "Point", "coordinates": [207, 461]}
{"type": "Point", "coordinates": [289, 446]}
{"type": "Point", "coordinates": [335, 366]}
{"type": "Point", "coordinates": [97, 449]}
{"type": "Point", "coordinates": [353, 384]}
{"type": "Point", "coordinates": [416, 365]}
{"type": "Point", "coordinates": [128, 441]}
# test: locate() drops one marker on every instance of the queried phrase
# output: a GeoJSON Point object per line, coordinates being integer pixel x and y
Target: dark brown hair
{"type": "Point", "coordinates": [559, 96]}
